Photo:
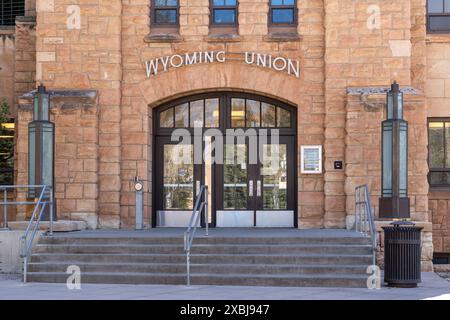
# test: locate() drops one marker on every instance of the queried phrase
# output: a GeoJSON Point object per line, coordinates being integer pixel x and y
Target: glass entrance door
{"type": "Point", "coordinates": [275, 187]}
{"type": "Point", "coordinates": [256, 194]}
{"type": "Point", "coordinates": [252, 180]}
{"type": "Point", "coordinates": [179, 180]}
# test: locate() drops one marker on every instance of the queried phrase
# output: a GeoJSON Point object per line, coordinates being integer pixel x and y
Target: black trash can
{"type": "Point", "coordinates": [402, 250]}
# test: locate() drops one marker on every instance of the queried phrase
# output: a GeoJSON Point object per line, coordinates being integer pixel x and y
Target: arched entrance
{"type": "Point", "coordinates": [243, 146]}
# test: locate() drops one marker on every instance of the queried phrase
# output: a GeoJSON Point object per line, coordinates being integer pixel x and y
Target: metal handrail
{"type": "Point", "coordinates": [6, 203]}
{"type": "Point", "coordinates": [364, 217]}
{"type": "Point", "coordinates": [39, 209]}
{"type": "Point", "coordinates": [192, 227]}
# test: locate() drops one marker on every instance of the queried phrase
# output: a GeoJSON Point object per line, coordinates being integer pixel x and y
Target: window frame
{"type": "Point", "coordinates": [11, 17]}
{"type": "Point", "coordinates": [430, 169]}
{"type": "Point", "coordinates": [443, 14]}
{"type": "Point", "coordinates": [212, 8]}
{"type": "Point", "coordinates": [275, 24]}
{"type": "Point", "coordinates": [153, 9]}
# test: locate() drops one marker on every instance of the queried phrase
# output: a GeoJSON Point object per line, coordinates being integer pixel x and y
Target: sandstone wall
{"type": "Point", "coordinates": [25, 56]}
{"type": "Point", "coordinates": [7, 51]}
{"type": "Point", "coordinates": [438, 98]}
{"type": "Point", "coordinates": [103, 45]}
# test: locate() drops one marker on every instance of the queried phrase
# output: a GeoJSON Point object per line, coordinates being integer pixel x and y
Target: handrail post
{"type": "Point", "coordinates": [51, 210]}
{"type": "Point", "coordinates": [25, 262]}
{"type": "Point", "coordinates": [206, 209]}
{"type": "Point", "coordinates": [188, 271]}
{"type": "Point", "coordinates": [5, 210]}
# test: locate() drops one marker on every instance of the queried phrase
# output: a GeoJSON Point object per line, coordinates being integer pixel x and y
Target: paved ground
{"type": "Point", "coordinates": [432, 287]}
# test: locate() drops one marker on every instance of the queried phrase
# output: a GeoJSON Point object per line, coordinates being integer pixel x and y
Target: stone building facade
{"type": "Point", "coordinates": [92, 55]}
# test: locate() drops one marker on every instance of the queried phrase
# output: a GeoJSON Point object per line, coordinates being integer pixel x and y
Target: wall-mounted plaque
{"type": "Point", "coordinates": [311, 159]}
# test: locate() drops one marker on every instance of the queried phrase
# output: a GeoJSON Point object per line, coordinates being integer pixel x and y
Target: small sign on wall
{"type": "Point", "coordinates": [311, 159]}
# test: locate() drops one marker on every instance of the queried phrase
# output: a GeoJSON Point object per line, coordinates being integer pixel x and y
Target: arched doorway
{"type": "Point", "coordinates": [243, 146]}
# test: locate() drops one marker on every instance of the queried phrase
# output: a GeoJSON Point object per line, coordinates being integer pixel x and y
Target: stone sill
{"type": "Point", "coordinates": [427, 226]}
{"type": "Point", "coordinates": [438, 38]}
{"type": "Point", "coordinates": [439, 193]}
{"type": "Point", "coordinates": [283, 37]}
{"type": "Point", "coordinates": [85, 96]}
{"type": "Point", "coordinates": [366, 91]}
{"type": "Point", "coordinates": [224, 37]}
{"type": "Point", "coordinates": [166, 37]}
{"type": "Point", "coordinates": [442, 267]}
{"type": "Point", "coordinates": [58, 226]}
{"type": "Point", "coordinates": [31, 20]}
{"type": "Point", "coordinates": [7, 30]}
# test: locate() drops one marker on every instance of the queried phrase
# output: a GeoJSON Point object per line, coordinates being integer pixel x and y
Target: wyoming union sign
{"type": "Point", "coordinates": [281, 64]}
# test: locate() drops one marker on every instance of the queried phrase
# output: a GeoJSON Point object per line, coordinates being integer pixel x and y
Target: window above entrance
{"type": "Point", "coordinates": [438, 12]}
{"type": "Point", "coordinates": [224, 12]}
{"type": "Point", "coordinates": [249, 113]}
{"type": "Point", "coordinates": [197, 113]}
{"type": "Point", "coordinates": [283, 12]}
{"type": "Point", "coordinates": [165, 12]}
{"type": "Point", "coordinates": [225, 110]}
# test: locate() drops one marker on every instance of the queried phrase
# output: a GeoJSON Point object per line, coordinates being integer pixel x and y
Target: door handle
{"type": "Point", "coordinates": [258, 188]}
{"type": "Point", "coordinates": [250, 188]}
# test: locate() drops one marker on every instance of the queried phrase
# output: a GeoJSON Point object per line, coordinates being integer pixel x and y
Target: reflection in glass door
{"type": "Point", "coordinates": [276, 207]}
{"type": "Point", "coordinates": [177, 174]}
{"type": "Point", "coordinates": [236, 189]}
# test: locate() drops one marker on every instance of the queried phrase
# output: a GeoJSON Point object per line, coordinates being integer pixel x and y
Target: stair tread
{"type": "Point", "coordinates": [206, 254]}
{"type": "Point", "coordinates": [215, 275]}
{"type": "Point", "coordinates": [327, 245]}
{"type": "Point", "coordinates": [195, 264]}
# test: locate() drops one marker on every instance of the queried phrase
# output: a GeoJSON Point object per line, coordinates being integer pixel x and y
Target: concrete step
{"type": "Point", "coordinates": [326, 280]}
{"type": "Point", "coordinates": [200, 239]}
{"type": "Point", "coordinates": [210, 268]}
{"type": "Point", "coordinates": [303, 259]}
{"type": "Point", "coordinates": [204, 249]}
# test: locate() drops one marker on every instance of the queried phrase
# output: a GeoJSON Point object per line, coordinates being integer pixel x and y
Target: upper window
{"type": "Point", "coordinates": [283, 12]}
{"type": "Point", "coordinates": [438, 16]}
{"type": "Point", "coordinates": [224, 12]}
{"type": "Point", "coordinates": [438, 152]}
{"type": "Point", "coordinates": [9, 10]}
{"type": "Point", "coordinates": [165, 12]}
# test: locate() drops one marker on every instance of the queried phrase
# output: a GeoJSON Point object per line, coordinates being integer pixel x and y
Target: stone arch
{"type": "Point", "coordinates": [206, 78]}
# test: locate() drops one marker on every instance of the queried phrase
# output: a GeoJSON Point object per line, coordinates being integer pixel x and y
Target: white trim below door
{"type": "Point", "coordinates": [275, 219]}
{"type": "Point", "coordinates": [234, 218]}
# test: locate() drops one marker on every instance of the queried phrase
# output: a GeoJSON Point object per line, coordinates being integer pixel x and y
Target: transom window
{"type": "Point", "coordinates": [438, 16]}
{"type": "Point", "coordinates": [248, 113]}
{"type": "Point", "coordinates": [223, 110]}
{"type": "Point", "coordinates": [165, 12]}
{"type": "Point", "coordinates": [283, 12]}
{"type": "Point", "coordinates": [198, 113]}
{"type": "Point", "coordinates": [224, 12]}
{"type": "Point", "coordinates": [438, 152]}
{"type": "Point", "coordinates": [9, 10]}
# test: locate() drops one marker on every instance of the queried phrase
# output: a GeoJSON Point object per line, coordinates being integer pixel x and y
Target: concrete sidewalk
{"type": "Point", "coordinates": [432, 287]}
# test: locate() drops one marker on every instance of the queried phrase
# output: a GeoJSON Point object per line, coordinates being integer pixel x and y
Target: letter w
{"type": "Point", "coordinates": [152, 67]}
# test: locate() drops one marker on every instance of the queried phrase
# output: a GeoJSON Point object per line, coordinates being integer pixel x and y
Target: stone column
{"type": "Point", "coordinates": [367, 44]}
